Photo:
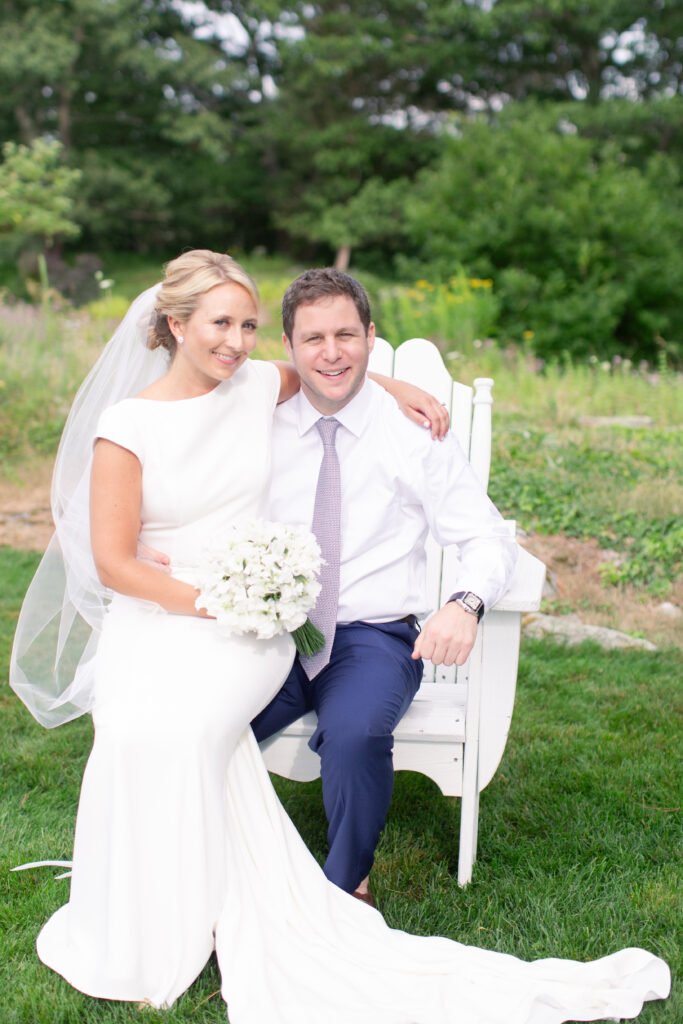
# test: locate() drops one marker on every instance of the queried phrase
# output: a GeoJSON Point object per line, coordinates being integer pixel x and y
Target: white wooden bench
{"type": "Point", "coordinates": [456, 729]}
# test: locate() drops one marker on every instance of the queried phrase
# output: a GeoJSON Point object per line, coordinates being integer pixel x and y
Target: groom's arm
{"type": "Point", "coordinates": [459, 512]}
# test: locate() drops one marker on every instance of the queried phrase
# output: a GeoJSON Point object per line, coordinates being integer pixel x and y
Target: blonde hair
{"type": "Point", "coordinates": [186, 279]}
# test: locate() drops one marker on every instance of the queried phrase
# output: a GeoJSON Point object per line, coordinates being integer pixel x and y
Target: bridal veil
{"type": "Point", "coordinates": [51, 667]}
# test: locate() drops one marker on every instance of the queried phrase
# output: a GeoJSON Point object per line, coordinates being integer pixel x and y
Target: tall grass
{"type": "Point", "coordinates": [548, 465]}
{"type": "Point", "coordinates": [43, 357]}
{"type": "Point", "coordinates": [561, 392]}
{"type": "Point", "coordinates": [45, 354]}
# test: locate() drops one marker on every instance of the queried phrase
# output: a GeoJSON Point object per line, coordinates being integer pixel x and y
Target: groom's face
{"type": "Point", "coordinates": [330, 351]}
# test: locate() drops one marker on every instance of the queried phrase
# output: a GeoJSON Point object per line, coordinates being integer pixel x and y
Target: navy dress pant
{"type": "Point", "coordinates": [359, 698]}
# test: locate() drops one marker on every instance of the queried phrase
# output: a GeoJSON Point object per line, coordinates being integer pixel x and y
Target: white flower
{"type": "Point", "coordinates": [260, 579]}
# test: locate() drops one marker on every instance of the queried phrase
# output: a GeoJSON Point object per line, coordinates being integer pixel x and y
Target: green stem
{"type": "Point", "coordinates": [308, 639]}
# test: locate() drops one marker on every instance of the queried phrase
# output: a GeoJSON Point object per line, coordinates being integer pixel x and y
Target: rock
{"type": "Point", "coordinates": [669, 610]}
{"type": "Point", "coordinates": [570, 629]}
{"type": "Point", "coordinates": [551, 586]}
{"type": "Point", "coordinates": [616, 421]}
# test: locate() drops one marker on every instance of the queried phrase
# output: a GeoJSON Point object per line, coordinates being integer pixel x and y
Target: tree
{"type": "Point", "coordinates": [36, 197]}
{"type": "Point", "coordinates": [338, 122]}
{"type": "Point", "coordinates": [145, 106]}
{"type": "Point", "coordinates": [363, 87]}
{"type": "Point", "coordinates": [640, 129]}
{"type": "Point", "coordinates": [489, 52]}
{"type": "Point", "coordinates": [287, 133]}
{"type": "Point", "coordinates": [584, 250]}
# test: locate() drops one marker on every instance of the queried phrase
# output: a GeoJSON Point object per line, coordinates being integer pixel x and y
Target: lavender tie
{"type": "Point", "coordinates": [326, 526]}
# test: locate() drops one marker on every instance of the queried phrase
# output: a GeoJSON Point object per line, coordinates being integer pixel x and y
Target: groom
{"type": "Point", "coordinates": [371, 484]}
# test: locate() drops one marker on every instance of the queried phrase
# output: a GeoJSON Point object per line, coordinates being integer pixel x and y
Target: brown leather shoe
{"type": "Point", "coordinates": [366, 897]}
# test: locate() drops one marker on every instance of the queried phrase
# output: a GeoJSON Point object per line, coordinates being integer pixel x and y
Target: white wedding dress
{"type": "Point", "coordinates": [181, 842]}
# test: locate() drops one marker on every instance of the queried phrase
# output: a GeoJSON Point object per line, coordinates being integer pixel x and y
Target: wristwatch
{"type": "Point", "coordinates": [469, 601]}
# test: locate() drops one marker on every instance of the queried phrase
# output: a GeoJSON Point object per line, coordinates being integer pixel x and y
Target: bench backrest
{"type": "Point", "coordinates": [419, 361]}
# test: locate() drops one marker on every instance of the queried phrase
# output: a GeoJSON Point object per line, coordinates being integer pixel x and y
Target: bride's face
{"type": "Point", "coordinates": [220, 334]}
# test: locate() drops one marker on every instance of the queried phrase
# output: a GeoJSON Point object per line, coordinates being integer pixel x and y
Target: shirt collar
{"type": "Point", "coordinates": [354, 416]}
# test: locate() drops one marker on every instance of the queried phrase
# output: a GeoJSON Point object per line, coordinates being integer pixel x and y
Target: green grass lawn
{"type": "Point", "coordinates": [580, 831]}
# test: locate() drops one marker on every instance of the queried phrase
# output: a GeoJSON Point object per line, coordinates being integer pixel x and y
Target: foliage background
{"type": "Point", "coordinates": [532, 142]}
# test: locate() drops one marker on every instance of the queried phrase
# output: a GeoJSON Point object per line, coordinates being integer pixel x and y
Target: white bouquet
{"type": "Point", "coordinates": [262, 579]}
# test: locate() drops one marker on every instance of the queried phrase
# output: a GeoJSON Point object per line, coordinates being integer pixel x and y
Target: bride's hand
{"type": "Point", "coordinates": [201, 611]}
{"type": "Point", "coordinates": [419, 406]}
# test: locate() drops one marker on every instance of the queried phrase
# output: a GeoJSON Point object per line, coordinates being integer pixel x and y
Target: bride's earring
{"type": "Point", "coordinates": [180, 339]}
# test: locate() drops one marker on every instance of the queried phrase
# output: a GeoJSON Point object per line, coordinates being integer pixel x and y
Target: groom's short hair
{"type": "Point", "coordinates": [313, 285]}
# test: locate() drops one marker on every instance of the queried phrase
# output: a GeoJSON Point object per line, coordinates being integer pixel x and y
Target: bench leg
{"type": "Point", "coordinates": [467, 850]}
{"type": "Point", "coordinates": [469, 810]}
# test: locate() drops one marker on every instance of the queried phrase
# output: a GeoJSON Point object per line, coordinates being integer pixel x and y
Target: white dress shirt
{"type": "Point", "coordinates": [397, 484]}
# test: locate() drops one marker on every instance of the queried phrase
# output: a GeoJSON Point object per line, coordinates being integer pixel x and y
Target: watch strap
{"type": "Point", "coordinates": [469, 601]}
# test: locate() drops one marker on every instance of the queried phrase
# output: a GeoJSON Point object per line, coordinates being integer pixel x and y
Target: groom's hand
{"type": "Point", "coordinates": [157, 559]}
{"type": "Point", "coordinates": [448, 636]}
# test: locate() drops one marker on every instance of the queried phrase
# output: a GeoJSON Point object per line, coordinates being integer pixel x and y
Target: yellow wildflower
{"type": "Point", "coordinates": [528, 335]}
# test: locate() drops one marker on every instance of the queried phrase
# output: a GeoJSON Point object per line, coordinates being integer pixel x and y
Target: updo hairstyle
{"type": "Point", "coordinates": [186, 279]}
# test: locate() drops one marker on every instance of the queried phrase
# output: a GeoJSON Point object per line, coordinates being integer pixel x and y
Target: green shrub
{"type": "Point", "coordinates": [585, 251]}
{"type": "Point", "coordinates": [36, 197]}
{"type": "Point", "coordinates": [452, 314]}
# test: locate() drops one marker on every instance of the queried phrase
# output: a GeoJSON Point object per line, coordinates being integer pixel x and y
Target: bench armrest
{"type": "Point", "coordinates": [526, 587]}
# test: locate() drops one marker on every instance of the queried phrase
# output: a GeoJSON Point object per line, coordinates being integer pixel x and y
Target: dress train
{"type": "Point", "coordinates": [292, 947]}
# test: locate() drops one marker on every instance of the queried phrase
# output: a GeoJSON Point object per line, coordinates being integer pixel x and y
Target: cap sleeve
{"type": "Point", "coordinates": [119, 424]}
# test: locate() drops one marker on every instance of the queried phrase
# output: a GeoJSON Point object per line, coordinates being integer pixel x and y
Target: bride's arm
{"type": "Point", "coordinates": [289, 379]}
{"type": "Point", "coordinates": [416, 404]}
{"type": "Point", "coordinates": [115, 498]}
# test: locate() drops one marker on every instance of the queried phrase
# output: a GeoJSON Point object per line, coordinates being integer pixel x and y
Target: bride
{"type": "Point", "coordinates": [181, 845]}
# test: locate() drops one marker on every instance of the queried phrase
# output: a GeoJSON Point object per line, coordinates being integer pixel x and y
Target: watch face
{"type": "Point", "coordinates": [472, 601]}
